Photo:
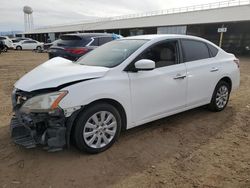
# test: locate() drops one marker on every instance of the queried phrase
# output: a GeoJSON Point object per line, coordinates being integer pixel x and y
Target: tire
{"type": "Point", "coordinates": [220, 97]}
{"type": "Point", "coordinates": [97, 128]}
{"type": "Point", "coordinates": [18, 48]}
{"type": "Point", "coordinates": [38, 48]}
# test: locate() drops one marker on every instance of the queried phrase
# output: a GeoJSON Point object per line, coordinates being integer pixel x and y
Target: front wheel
{"type": "Point", "coordinates": [97, 128]}
{"type": "Point", "coordinates": [38, 48]}
{"type": "Point", "coordinates": [18, 48]}
{"type": "Point", "coordinates": [220, 97]}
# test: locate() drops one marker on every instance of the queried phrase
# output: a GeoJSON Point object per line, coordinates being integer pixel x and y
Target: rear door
{"type": "Point", "coordinates": [202, 71]}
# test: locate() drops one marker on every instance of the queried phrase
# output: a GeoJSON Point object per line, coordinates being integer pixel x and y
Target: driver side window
{"type": "Point", "coordinates": [163, 54]}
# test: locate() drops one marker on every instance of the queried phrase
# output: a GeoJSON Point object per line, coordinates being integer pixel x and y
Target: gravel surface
{"type": "Point", "coordinates": [197, 148]}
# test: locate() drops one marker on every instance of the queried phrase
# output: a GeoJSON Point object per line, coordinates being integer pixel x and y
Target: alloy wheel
{"type": "Point", "coordinates": [100, 129]}
{"type": "Point", "coordinates": [222, 97]}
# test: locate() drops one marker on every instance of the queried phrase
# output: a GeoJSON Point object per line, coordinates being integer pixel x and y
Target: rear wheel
{"type": "Point", "coordinates": [97, 128]}
{"type": "Point", "coordinates": [18, 48]}
{"type": "Point", "coordinates": [220, 97]}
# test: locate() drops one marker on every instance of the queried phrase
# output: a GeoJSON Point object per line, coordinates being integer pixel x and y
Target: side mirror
{"type": "Point", "coordinates": [145, 65]}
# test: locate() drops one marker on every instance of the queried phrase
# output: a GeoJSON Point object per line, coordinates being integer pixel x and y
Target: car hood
{"type": "Point", "coordinates": [56, 72]}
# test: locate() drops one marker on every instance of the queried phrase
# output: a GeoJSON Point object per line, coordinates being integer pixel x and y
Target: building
{"type": "Point", "coordinates": [231, 17]}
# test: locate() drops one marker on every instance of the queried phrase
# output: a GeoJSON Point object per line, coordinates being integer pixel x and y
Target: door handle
{"type": "Point", "coordinates": [179, 76]}
{"type": "Point", "coordinates": [214, 69]}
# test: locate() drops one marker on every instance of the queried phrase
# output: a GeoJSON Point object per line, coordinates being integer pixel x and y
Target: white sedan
{"type": "Point", "coordinates": [118, 86]}
{"type": "Point", "coordinates": [28, 45]}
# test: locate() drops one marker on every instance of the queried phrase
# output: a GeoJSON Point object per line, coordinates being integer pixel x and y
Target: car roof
{"type": "Point", "coordinates": [162, 36]}
{"type": "Point", "coordinates": [28, 40]}
{"type": "Point", "coordinates": [157, 37]}
{"type": "Point", "coordinates": [82, 35]}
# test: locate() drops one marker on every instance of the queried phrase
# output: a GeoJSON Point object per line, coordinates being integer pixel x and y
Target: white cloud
{"type": "Point", "coordinates": [51, 12]}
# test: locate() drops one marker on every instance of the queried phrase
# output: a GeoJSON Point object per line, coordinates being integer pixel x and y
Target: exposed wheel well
{"type": "Point", "coordinates": [227, 80]}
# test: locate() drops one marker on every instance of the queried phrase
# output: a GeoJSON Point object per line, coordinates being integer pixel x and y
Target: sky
{"type": "Point", "coordinates": [56, 12]}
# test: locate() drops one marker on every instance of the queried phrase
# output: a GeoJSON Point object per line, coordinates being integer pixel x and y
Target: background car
{"type": "Point", "coordinates": [2, 46]}
{"type": "Point", "coordinates": [28, 45]}
{"type": "Point", "coordinates": [8, 43]}
{"type": "Point", "coordinates": [73, 46]}
{"type": "Point", "coordinates": [47, 46]}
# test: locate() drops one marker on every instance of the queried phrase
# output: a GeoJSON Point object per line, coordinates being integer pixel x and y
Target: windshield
{"type": "Point", "coordinates": [111, 54]}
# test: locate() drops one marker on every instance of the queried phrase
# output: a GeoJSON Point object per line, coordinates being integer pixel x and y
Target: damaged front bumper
{"type": "Point", "coordinates": [37, 129]}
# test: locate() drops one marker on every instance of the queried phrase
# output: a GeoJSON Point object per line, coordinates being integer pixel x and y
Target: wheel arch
{"type": "Point", "coordinates": [19, 47]}
{"type": "Point", "coordinates": [117, 105]}
{"type": "Point", "coordinates": [72, 120]}
{"type": "Point", "coordinates": [227, 80]}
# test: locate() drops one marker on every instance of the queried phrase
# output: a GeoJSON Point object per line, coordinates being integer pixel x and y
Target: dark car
{"type": "Point", "coordinates": [47, 46]}
{"type": "Point", "coordinates": [2, 46]}
{"type": "Point", "coordinates": [73, 46]}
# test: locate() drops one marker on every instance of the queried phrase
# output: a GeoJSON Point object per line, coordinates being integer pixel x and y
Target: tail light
{"type": "Point", "coordinates": [237, 61]}
{"type": "Point", "coordinates": [78, 51]}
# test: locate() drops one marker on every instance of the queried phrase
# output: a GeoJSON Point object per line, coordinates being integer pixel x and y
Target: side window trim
{"type": "Point", "coordinates": [210, 50]}
{"type": "Point", "coordinates": [210, 53]}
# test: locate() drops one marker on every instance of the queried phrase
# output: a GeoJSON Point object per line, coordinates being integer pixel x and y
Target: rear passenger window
{"type": "Point", "coordinates": [103, 40]}
{"type": "Point", "coordinates": [194, 50]}
{"type": "Point", "coordinates": [213, 50]}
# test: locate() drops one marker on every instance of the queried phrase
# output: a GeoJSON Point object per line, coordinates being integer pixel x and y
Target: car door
{"type": "Point", "coordinates": [203, 71]}
{"type": "Point", "coordinates": [158, 92]}
{"type": "Point", "coordinates": [32, 45]}
{"type": "Point", "coordinates": [25, 45]}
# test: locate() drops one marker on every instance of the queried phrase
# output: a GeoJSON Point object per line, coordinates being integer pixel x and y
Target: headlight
{"type": "Point", "coordinates": [43, 103]}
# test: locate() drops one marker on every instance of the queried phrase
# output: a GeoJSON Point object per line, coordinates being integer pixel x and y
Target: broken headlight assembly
{"type": "Point", "coordinates": [46, 103]}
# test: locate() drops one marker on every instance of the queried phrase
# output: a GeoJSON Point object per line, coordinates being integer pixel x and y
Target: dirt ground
{"type": "Point", "coordinates": [197, 148]}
